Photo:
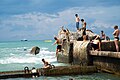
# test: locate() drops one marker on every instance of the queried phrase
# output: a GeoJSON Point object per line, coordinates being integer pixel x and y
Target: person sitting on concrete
{"type": "Point", "coordinates": [34, 72]}
{"type": "Point", "coordinates": [96, 43]}
{"type": "Point", "coordinates": [47, 65]}
{"type": "Point", "coordinates": [102, 36]}
{"type": "Point", "coordinates": [107, 38]}
{"type": "Point", "coordinates": [26, 69]}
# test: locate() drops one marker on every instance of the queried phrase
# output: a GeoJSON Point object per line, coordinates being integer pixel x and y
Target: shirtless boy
{"type": "Point", "coordinates": [77, 19]}
{"type": "Point", "coordinates": [116, 37]}
{"type": "Point", "coordinates": [83, 26]}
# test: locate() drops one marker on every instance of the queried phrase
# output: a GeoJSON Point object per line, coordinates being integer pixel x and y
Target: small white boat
{"type": "Point", "coordinates": [24, 40]}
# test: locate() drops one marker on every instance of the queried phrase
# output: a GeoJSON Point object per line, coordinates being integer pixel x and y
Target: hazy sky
{"type": "Point", "coordinates": [41, 19]}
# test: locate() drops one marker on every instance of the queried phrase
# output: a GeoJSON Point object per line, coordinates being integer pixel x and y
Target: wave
{"type": "Point", "coordinates": [18, 55]}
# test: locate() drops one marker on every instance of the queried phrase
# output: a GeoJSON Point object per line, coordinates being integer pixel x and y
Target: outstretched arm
{"type": "Point", "coordinates": [55, 43]}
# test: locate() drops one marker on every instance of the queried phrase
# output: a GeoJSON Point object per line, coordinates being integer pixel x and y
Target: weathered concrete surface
{"type": "Point", "coordinates": [66, 56]}
{"type": "Point", "coordinates": [65, 47]}
{"type": "Point", "coordinates": [107, 61]}
{"type": "Point", "coordinates": [76, 35]}
{"type": "Point", "coordinates": [69, 70]}
{"type": "Point", "coordinates": [62, 58]}
{"type": "Point", "coordinates": [59, 70]}
{"type": "Point", "coordinates": [105, 54]}
{"type": "Point", "coordinates": [16, 74]}
{"type": "Point", "coordinates": [80, 52]}
{"type": "Point", "coordinates": [72, 49]}
{"type": "Point", "coordinates": [108, 46]}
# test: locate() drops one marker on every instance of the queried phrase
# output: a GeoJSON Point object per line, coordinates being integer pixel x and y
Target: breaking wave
{"type": "Point", "coordinates": [22, 55]}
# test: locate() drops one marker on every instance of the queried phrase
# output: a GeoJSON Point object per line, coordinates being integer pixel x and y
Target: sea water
{"type": "Point", "coordinates": [15, 55]}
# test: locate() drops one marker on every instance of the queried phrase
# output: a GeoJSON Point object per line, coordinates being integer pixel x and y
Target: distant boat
{"type": "Point", "coordinates": [47, 40]}
{"type": "Point", "coordinates": [24, 40]}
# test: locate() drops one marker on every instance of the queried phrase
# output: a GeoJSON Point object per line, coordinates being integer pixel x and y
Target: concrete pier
{"type": "Point", "coordinates": [17, 74]}
{"type": "Point", "coordinates": [59, 70]}
{"type": "Point", "coordinates": [69, 70]}
{"type": "Point", "coordinates": [106, 61]}
{"type": "Point", "coordinates": [81, 53]}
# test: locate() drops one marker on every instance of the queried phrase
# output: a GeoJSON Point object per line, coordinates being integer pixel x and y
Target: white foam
{"type": "Point", "coordinates": [27, 57]}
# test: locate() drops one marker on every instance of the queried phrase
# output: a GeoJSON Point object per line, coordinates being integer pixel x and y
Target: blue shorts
{"type": "Point", "coordinates": [77, 25]}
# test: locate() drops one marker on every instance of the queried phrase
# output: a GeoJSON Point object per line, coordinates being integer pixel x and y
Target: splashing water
{"type": "Point", "coordinates": [15, 56]}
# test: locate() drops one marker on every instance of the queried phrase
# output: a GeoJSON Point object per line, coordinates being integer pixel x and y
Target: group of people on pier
{"type": "Point", "coordinates": [97, 45]}
{"type": "Point", "coordinates": [96, 42]}
{"type": "Point", "coordinates": [64, 33]}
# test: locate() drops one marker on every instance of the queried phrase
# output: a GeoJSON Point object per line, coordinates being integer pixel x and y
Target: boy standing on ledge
{"type": "Point", "coordinates": [77, 19]}
{"type": "Point", "coordinates": [116, 37]}
{"type": "Point", "coordinates": [83, 26]}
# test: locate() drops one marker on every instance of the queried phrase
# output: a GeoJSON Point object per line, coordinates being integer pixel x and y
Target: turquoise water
{"type": "Point", "coordinates": [14, 55]}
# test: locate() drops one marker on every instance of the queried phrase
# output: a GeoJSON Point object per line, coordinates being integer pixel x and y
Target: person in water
{"type": "Point", "coordinates": [59, 46]}
{"type": "Point", "coordinates": [116, 37]}
{"type": "Point", "coordinates": [77, 19]}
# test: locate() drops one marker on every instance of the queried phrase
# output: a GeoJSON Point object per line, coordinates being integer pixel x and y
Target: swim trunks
{"type": "Point", "coordinates": [59, 47]}
{"type": "Point", "coordinates": [116, 38]}
{"type": "Point", "coordinates": [84, 31]}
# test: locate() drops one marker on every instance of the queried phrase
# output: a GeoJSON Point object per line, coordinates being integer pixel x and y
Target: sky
{"type": "Point", "coordinates": [42, 19]}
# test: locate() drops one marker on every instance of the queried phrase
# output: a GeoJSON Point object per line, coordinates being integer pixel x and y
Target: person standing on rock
{"type": "Point", "coordinates": [116, 37]}
{"type": "Point", "coordinates": [77, 19]}
{"type": "Point", "coordinates": [83, 26]}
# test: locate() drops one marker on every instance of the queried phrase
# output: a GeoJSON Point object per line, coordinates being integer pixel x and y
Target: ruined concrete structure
{"type": "Point", "coordinates": [75, 50]}
{"type": "Point", "coordinates": [81, 53]}
{"type": "Point", "coordinates": [59, 70]}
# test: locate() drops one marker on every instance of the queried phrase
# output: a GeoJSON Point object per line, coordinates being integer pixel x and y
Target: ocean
{"type": "Point", "coordinates": [15, 55]}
